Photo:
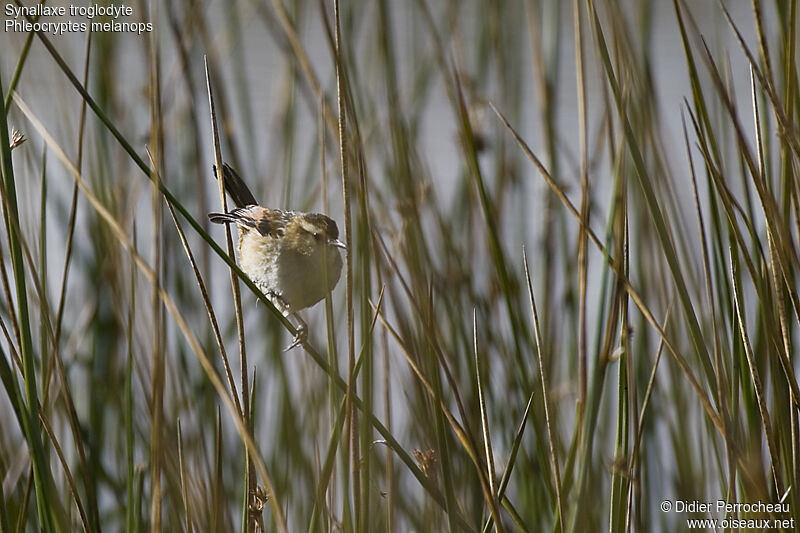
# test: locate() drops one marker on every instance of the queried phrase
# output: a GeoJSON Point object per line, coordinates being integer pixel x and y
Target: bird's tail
{"type": "Point", "coordinates": [236, 188]}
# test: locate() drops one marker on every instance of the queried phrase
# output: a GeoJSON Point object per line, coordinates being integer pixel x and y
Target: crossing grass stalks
{"type": "Point", "coordinates": [567, 297]}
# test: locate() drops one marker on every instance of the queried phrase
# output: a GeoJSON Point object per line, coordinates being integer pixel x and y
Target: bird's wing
{"type": "Point", "coordinates": [267, 222]}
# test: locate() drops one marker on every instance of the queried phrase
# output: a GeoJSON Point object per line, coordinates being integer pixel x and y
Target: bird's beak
{"type": "Point", "coordinates": [337, 243]}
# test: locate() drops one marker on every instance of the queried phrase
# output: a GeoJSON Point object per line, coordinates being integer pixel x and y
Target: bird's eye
{"type": "Point", "coordinates": [317, 236]}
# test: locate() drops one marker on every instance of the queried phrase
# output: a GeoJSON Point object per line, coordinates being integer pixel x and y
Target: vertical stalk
{"type": "Point", "coordinates": [351, 425]}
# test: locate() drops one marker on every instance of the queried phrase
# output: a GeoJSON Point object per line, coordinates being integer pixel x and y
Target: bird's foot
{"type": "Point", "coordinates": [300, 337]}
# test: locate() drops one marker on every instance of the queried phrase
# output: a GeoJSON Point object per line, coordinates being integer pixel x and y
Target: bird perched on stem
{"type": "Point", "coordinates": [292, 257]}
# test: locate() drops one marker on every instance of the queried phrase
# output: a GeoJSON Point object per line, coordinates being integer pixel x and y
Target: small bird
{"type": "Point", "coordinates": [292, 257]}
